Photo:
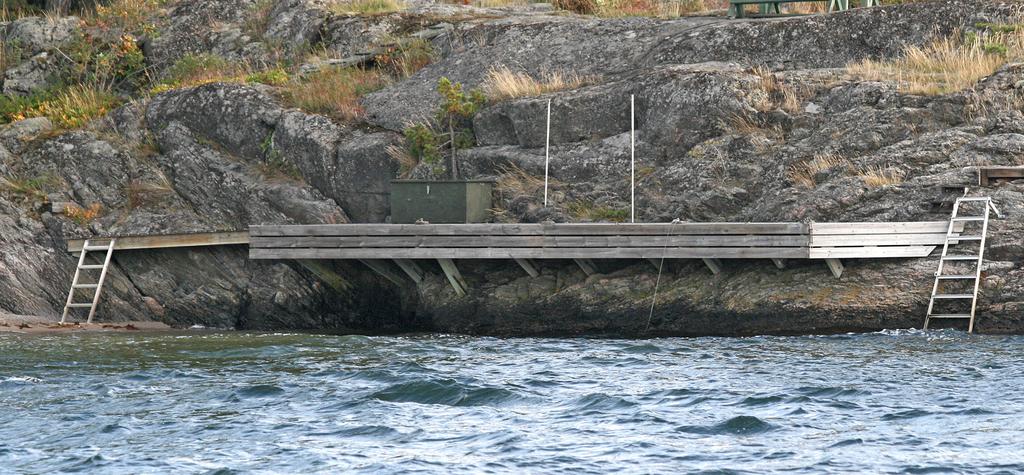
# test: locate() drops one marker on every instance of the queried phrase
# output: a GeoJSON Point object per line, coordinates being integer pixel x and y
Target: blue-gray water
{"type": "Point", "coordinates": [146, 403]}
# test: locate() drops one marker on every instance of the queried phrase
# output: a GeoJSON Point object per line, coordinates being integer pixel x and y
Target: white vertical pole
{"type": "Point", "coordinates": [632, 159]}
{"type": "Point", "coordinates": [547, 154]}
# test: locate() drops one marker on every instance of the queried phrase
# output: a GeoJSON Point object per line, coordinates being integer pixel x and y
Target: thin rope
{"type": "Point", "coordinates": [661, 267]}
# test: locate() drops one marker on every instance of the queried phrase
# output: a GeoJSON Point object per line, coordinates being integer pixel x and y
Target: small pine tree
{"type": "Point", "coordinates": [456, 107]}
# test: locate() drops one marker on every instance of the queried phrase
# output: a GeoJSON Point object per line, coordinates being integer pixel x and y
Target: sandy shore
{"type": "Point", "coordinates": [30, 324]}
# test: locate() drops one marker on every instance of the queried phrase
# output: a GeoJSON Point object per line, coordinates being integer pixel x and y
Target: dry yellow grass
{"type": "Point", "coordinates": [878, 176]}
{"type": "Point", "coordinates": [513, 182]}
{"type": "Point", "coordinates": [406, 161]}
{"type": "Point", "coordinates": [947, 64]}
{"type": "Point", "coordinates": [368, 7]}
{"type": "Point", "coordinates": [802, 174]}
{"type": "Point", "coordinates": [334, 92]}
{"type": "Point", "coordinates": [503, 83]}
{"type": "Point", "coordinates": [657, 8]}
{"type": "Point", "coordinates": [779, 94]}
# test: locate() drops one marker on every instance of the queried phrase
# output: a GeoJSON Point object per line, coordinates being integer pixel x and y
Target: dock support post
{"type": "Point", "coordinates": [454, 277]}
{"type": "Point", "coordinates": [780, 263]}
{"type": "Point", "coordinates": [655, 262]}
{"type": "Point", "coordinates": [327, 275]}
{"type": "Point", "coordinates": [528, 266]}
{"type": "Point", "coordinates": [411, 269]}
{"type": "Point", "coordinates": [587, 266]}
{"type": "Point", "coordinates": [382, 269]}
{"type": "Point", "coordinates": [714, 264]}
{"type": "Point", "coordinates": [836, 266]}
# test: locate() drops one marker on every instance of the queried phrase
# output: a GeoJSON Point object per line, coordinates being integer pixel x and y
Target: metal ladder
{"type": "Point", "coordinates": [977, 259]}
{"type": "Point", "coordinates": [96, 287]}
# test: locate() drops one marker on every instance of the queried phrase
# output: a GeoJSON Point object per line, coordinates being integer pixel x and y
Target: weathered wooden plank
{"type": "Point", "coordinates": [836, 266]}
{"type": "Point", "coordinates": [531, 241]}
{"type": "Point", "coordinates": [167, 241]}
{"type": "Point", "coordinates": [495, 229]}
{"type": "Point", "coordinates": [411, 269]}
{"type": "Point", "coordinates": [380, 267]}
{"type": "Point", "coordinates": [528, 266]}
{"type": "Point", "coordinates": [913, 227]}
{"type": "Point", "coordinates": [532, 253]}
{"type": "Point", "coordinates": [779, 263]}
{"type": "Point", "coordinates": [714, 264]}
{"type": "Point", "coordinates": [870, 252]}
{"type": "Point", "coordinates": [861, 240]}
{"type": "Point", "coordinates": [988, 173]}
{"type": "Point", "coordinates": [454, 276]}
{"type": "Point", "coordinates": [587, 266]}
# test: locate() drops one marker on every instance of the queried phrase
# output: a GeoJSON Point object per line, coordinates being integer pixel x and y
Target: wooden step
{"type": "Point", "coordinates": [954, 296]}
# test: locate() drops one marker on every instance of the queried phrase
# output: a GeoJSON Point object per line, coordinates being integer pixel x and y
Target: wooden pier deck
{"type": "Point", "coordinates": [403, 244]}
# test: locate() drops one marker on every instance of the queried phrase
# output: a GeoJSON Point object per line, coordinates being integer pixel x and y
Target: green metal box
{"type": "Point", "coordinates": [458, 201]}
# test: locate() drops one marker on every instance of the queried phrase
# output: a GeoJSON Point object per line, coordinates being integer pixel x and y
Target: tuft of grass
{"type": "Point", "coordinates": [258, 18]}
{"type": "Point", "coordinates": [11, 10]}
{"type": "Point", "coordinates": [514, 182]}
{"type": "Point", "coordinates": [73, 107]}
{"type": "Point", "coordinates": [368, 7]}
{"type": "Point", "coordinates": [142, 194]}
{"type": "Point", "coordinates": [945, 65]}
{"type": "Point", "coordinates": [804, 173]}
{"type": "Point", "coordinates": [196, 70]}
{"type": "Point", "coordinates": [879, 176]}
{"type": "Point", "coordinates": [583, 7]}
{"type": "Point", "coordinates": [588, 211]}
{"type": "Point", "coordinates": [780, 95]}
{"type": "Point", "coordinates": [503, 83]}
{"type": "Point", "coordinates": [334, 92]}
{"type": "Point", "coordinates": [32, 188]}
{"type": "Point", "coordinates": [406, 161]}
{"type": "Point", "coordinates": [640, 8]}
{"type": "Point", "coordinates": [405, 58]}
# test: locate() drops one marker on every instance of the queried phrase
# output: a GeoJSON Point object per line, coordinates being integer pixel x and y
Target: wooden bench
{"type": "Point", "coordinates": [769, 7]}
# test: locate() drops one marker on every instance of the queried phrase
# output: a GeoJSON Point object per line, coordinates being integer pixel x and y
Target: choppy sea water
{"type": "Point", "coordinates": [913, 402]}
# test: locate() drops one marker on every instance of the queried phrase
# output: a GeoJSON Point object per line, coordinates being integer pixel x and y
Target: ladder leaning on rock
{"type": "Point", "coordinates": [96, 287]}
{"type": "Point", "coordinates": [949, 296]}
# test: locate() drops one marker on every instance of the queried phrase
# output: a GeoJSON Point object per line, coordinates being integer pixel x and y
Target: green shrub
{"type": "Point", "coordinates": [422, 143]}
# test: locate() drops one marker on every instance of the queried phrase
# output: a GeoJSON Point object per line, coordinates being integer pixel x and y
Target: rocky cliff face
{"type": "Point", "coordinates": [726, 111]}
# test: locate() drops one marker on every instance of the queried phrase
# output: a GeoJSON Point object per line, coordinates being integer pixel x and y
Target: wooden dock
{"type": "Point", "coordinates": [392, 250]}
{"type": "Point", "coordinates": [375, 244]}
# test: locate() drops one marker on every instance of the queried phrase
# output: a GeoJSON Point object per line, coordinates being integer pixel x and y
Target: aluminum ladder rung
{"type": "Point", "coordinates": [85, 286]}
{"type": "Point", "coordinates": [978, 259]}
{"type": "Point", "coordinates": [80, 305]}
{"type": "Point", "coordinates": [91, 266]}
{"type": "Point", "coordinates": [94, 248]}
